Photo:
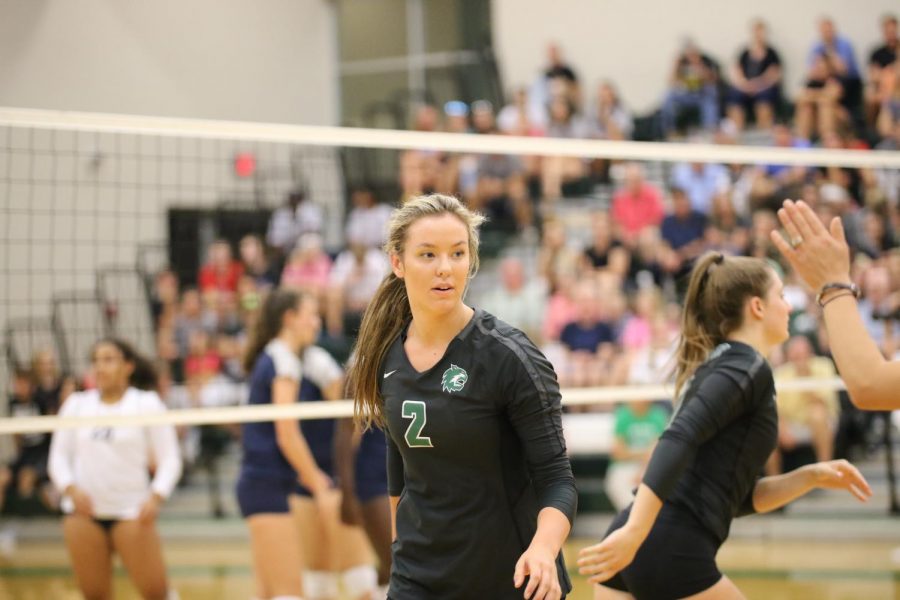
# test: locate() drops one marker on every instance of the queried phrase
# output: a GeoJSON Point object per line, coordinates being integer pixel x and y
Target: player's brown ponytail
{"type": "Point", "coordinates": [714, 306]}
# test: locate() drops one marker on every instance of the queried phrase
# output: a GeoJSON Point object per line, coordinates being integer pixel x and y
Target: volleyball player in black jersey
{"type": "Point", "coordinates": [482, 493]}
{"type": "Point", "coordinates": [703, 472]}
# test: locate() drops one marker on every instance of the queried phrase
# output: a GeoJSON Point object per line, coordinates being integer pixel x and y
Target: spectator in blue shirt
{"type": "Point", "coordinates": [840, 58]}
{"type": "Point", "coordinates": [684, 227]}
{"type": "Point", "coordinates": [701, 182]}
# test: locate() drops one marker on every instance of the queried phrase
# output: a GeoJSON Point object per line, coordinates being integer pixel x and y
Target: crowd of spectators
{"type": "Point", "coordinates": [600, 295]}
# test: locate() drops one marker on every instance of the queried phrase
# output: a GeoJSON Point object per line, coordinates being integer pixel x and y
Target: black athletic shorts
{"type": "Point", "coordinates": [677, 559]}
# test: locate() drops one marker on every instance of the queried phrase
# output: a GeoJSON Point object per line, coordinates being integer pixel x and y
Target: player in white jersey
{"type": "Point", "coordinates": [111, 502]}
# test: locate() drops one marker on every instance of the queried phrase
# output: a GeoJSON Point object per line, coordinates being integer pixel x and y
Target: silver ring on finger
{"type": "Point", "coordinates": [796, 241]}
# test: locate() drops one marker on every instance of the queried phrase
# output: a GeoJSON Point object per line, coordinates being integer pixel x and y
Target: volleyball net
{"type": "Point", "coordinates": [113, 226]}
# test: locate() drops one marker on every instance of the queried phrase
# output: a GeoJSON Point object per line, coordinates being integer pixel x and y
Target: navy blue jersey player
{"type": "Point", "coordinates": [481, 488]}
{"type": "Point", "coordinates": [275, 455]}
{"type": "Point", "coordinates": [335, 555]}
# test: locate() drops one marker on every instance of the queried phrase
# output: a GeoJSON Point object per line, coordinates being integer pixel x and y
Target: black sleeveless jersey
{"type": "Point", "coordinates": [475, 451]}
{"type": "Point", "coordinates": [724, 428]}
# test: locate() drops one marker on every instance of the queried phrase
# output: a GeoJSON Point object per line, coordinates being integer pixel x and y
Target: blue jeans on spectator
{"type": "Point", "coordinates": [705, 99]}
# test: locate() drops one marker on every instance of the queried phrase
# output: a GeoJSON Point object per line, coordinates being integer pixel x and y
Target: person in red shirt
{"type": "Point", "coordinates": [221, 273]}
{"type": "Point", "coordinates": [637, 205]}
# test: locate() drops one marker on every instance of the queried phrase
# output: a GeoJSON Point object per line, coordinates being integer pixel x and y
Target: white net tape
{"type": "Point", "coordinates": [452, 142]}
{"type": "Point", "coordinates": [600, 396]}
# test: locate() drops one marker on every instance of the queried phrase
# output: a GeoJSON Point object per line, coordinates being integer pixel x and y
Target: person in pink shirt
{"type": "Point", "coordinates": [637, 205]}
{"type": "Point", "coordinates": [309, 267]}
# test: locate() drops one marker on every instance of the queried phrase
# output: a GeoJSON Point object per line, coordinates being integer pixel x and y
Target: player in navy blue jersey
{"type": "Point", "coordinates": [360, 463]}
{"type": "Point", "coordinates": [335, 555]}
{"type": "Point", "coordinates": [482, 492]}
{"type": "Point", "coordinates": [705, 468]}
{"type": "Point", "coordinates": [276, 454]}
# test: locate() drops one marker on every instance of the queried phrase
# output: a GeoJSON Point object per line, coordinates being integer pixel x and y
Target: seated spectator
{"type": "Point", "coordinates": [805, 417]}
{"type": "Point", "coordinates": [605, 251]}
{"type": "Point", "coordinates": [28, 472]}
{"type": "Point", "coordinates": [419, 173]}
{"type": "Point", "coordinates": [610, 119]}
{"type": "Point", "coordinates": [653, 363]}
{"type": "Point", "coordinates": [297, 216]}
{"type": "Point", "coordinates": [256, 264]}
{"type": "Point", "coordinates": [889, 178]}
{"type": "Point", "coordinates": [221, 272]}
{"type": "Point", "coordinates": [878, 308]}
{"type": "Point", "coordinates": [518, 301]}
{"type": "Point", "coordinates": [502, 193]}
{"type": "Point", "coordinates": [819, 107]}
{"type": "Point", "coordinates": [589, 339]}
{"type": "Point", "coordinates": [420, 169]}
{"type": "Point", "coordinates": [636, 206]}
{"type": "Point", "coordinates": [728, 231]}
{"type": "Point", "coordinates": [564, 175]}
{"type": "Point", "coordinates": [557, 78]}
{"type": "Point", "coordinates": [755, 81]}
{"type": "Point", "coordinates": [457, 173]}
{"type": "Point", "coordinates": [561, 308]}
{"type": "Point", "coordinates": [684, 228]}
{"type": "Point", "coordinates": [556, 259]}
{"type": "Point", "coordinates": [837, 202]}
{"type": "Point", "coordinates": [51, 388]}
{"type": "Point", "coordinates": [426, 117]}
{"type": "Point", "coordinates": [833, 86]}
{"type": "Point", "coordinates": [782, 137]}
{"type": "Point", "coordinates": [164, 299]}
{"type": "Point", "coordinates": [766, 186]}
{"type": "Point", "coordinates": [877, 235]}
{"type": "Point", "coordinates": [483, 120]}
{"type": "Point", "coordinates": [191, 317]}
{"type": "Point", "coordinates": [701, 182]}
{"type": "Point", "coordinates": [888, 122]}
{"type": "Point", "coordinates": [693, 84]}
{"type": "Point", "coordinates": [203, 362]}
{"type": "Point", "coordinates": [308, 267]}
{"type": "Point", "coordinates": [637, 426]}
{"type": "Point", "coordinates": [652, 262]}
{"type": "Point", "coordinates": [229, 336]}
{"type": "Point", "coordinates": [368, 219]}
{"type": "Point", "coordinates": [882, 69]}
{"type": "Point", "coordinates": [521, 117]}
{"type": "Point", "coordinates": [249, 301]}
{"type": "Point", "coordinates": [638, 330]}
{"type": "Point", "coordinates": [355, 276]}
{"type": "Point", "coordinates": [841, 58]}
{"type": "Point", "coordinates": [762, 224]}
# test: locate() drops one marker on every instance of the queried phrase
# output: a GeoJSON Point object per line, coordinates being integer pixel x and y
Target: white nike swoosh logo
{"type": "Point", "coordinates": [386, 375]}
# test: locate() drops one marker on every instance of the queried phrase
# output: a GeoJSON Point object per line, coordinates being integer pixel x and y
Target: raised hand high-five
{"type": "Point", "coordinates": [817, 254]}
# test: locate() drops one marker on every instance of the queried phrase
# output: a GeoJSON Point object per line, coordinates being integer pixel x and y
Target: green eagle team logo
{"type": "Point", "coordinates": [454, 379]}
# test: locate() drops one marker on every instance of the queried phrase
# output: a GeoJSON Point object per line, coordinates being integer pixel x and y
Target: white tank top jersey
{"type": "Point", "coordinates": [112, 464]}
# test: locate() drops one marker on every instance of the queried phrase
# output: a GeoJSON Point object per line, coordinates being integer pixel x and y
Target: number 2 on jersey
{"type": "Point", "coordinates": [415, 410]}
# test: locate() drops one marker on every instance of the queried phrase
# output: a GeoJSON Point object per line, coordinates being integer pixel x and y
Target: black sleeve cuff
{"type": "Point", "coordinates": [561, 495]}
